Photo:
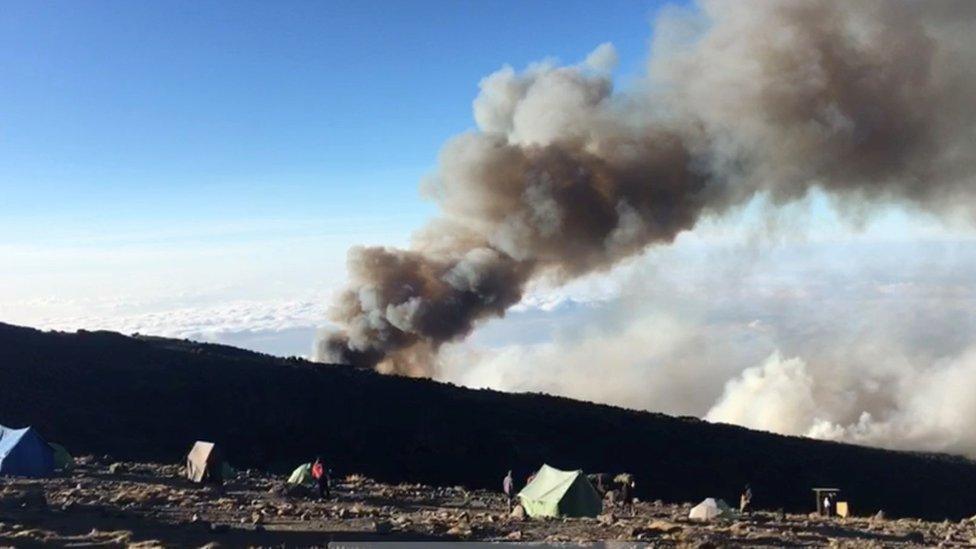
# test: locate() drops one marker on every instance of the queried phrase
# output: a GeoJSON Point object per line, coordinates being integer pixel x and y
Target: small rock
{"type": "Point", "coordinates": [461, 530]}
{"type": "Point", "coordinates": [116, 468]}
{"type": "Point", "coordinates": [256, 518]}
{"type": "Point", "coordinates": [740, 529]}
{"type": "Point", "coordinates": [518, 512]}
{"type": "Point", "coordinates": [195, 518]}
{"type": "Point", "coordinates": [514, 536]}
{"type": "Point", "coordinates": [606, 519]}
{"type": "Point", "coordinates": [663, 527]}
{"type": "Point", "coordinates": [915, 537]}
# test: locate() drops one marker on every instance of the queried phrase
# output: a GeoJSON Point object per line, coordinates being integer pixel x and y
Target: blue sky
{"type": "Point", "coordinates": [129, 116]}
{"type": "Point", "coordinates": [156, 156]}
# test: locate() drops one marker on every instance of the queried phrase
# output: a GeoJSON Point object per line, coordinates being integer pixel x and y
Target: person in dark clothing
{"type": "Point", "coordinates": [597, 480]}
{"type": "Point", "coordinates": [508, 486]}
{"type": "Point", "coordinates": [321, 477]}
{"type": "Point", "coordinates": [627, 493]}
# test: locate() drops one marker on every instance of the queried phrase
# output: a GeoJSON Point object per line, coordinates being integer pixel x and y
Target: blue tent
{"type": "Point", "coordinates": [24, 453]}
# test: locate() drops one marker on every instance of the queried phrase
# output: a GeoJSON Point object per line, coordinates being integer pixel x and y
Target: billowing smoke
{"type": "Point", "coordinates": [870, 101]}
{"type": "Point", "coordinates": [868, 339]}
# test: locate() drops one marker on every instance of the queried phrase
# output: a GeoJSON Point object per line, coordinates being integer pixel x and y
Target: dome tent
{"type": "Point", "coordinates": [302, 475]}
{"type": "Point", "coordinates": [24, 453]}
{"type": "Point", "coordinates": [62, 459]}
{"type": "Point", "coordinates": [711, 508]}
{"type": "Point", "coordinates": [555, 493]}
{"type": "Point", "coordinates": [205, 463]}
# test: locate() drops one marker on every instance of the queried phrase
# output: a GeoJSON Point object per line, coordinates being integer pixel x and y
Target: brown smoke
{"type": "Point", "coordinates": [871, 101]}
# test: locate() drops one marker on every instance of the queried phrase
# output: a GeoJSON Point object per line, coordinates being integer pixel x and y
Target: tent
{"type": "Point", "coordinates": [302, 475]}
{"type": "Point", "coordinates": [205, 463]}
{"type": "Point", "coordinates": [62, 459]}
{"type": "Point", "coordinates": [711, 508]}
{"type": "Point", "coordinates": [555, 493]}
{"type": "Point", "coordinates": [24, 453]}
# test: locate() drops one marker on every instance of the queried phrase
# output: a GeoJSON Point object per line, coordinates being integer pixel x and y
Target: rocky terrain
{"type": "Point", "coordinates": [102, 503]}
{"type": "Point", "coordinates": [146, 399]}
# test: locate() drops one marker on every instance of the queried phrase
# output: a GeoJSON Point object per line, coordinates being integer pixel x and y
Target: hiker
{"type": "Point", "coordinates": [321, 477]}
{"type": "Point", "coordinates": [596, 479]}
{"type": "Point", "coordinates": [745, 499]}
{"type": "Point", "coordinates": [627, 494]}
{"type": "Point", "coordinates": [508, 486]}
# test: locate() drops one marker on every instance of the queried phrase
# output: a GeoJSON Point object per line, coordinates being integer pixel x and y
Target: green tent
{"type": "Point", "coordinates": [302, 475]}
{"type": "Point", "coordinates": [62, 459]}
{"type": "Point", "coordinates": [226, 471]}
{"type": "Point", "coordinates": [555, 493]}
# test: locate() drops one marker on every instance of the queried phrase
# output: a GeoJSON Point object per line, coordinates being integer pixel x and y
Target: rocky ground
{"type": "Point", "coordinates": [106, 504]}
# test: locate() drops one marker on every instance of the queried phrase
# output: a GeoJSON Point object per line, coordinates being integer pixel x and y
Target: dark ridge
{"type": "Point", "coordinates": [148, 398]}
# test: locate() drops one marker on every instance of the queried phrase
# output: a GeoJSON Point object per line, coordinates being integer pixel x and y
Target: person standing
{"type": "Point", "coordinates": [321, 477]}
{"type": "Point", "coordinates": [627, 494]}
{"type": "Point", "coordinates": [745, 499]}
{"type": "Point", "coordinates": [827, 503]}
{"type": "Point", "coordinates": [508, 486]}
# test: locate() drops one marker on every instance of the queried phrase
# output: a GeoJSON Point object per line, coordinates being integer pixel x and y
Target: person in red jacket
{"type": "Point", "coordinates": [321, 477]}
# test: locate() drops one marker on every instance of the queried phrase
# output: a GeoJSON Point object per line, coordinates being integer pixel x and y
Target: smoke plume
{"type": "Point", "coordinates": [868, 101]}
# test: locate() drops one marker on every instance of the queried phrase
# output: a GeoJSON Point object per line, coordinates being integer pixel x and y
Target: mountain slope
{"type": "Point", "coordinates": [143, 398]}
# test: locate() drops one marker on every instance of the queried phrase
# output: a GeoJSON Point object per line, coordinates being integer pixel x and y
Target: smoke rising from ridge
{"type": "Point", "coordinates": [870, 102]}
{"type": "Point", "coordinates": [865, 339]}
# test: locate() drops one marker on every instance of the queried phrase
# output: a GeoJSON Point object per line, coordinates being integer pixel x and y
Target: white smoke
{"type": "Point", "coordinates": [855, 337]}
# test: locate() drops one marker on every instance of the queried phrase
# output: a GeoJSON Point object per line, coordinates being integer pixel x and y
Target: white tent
{"type": "Point", "coordinates": [710, 509]}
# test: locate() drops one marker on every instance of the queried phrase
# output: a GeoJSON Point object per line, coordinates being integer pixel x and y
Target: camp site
{"type": "Point", "coordinates": [97, 501]}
